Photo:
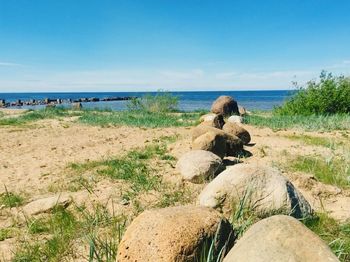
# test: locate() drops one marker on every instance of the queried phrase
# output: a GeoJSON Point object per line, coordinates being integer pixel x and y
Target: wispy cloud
{"type": "Point", "coordinates": [262, 75]}
{"type": "Point", "coordinates": [9, 64]}
{"type": "Point", "coordinates": [192, 74]}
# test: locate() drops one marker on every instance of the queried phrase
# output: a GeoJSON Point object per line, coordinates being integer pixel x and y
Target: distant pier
{"type": "Point", "coordinates": [58, 101]}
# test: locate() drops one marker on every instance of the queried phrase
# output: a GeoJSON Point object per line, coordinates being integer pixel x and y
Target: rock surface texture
{"type": "Point", "coordinates": [199, 165]}
{"type": "Point", "coordinates": [173, 234]}
{"type": "Point", "coordinates": [236, 130]}
{"type": "Point", "coordinates": [212, 120]}
{"type": "Point", "coordinates": [215, 140]}
{"type": "Point", "coordinates": [280, 239]}
{"type": "Point", "coordinates": [225, 105]}
{"type": "Point", "coordinates": [211, 141]}
{"type": "Point", "coordinates": [235, 119]}
{"type": "Point", "coordinates": [263, 188]}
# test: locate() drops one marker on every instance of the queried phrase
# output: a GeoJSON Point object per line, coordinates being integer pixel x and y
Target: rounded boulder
{"type": "Point", "coordinates": [280, 239]}
{"type": "Point", "coordinates": [213, 142]}
{"type": "Point", "coordinates": [236, 130]}
{"type": "Point", "coordinates": [174, 234]}
{"type": "Point", "coordinates": [225, 105]}
{"type": "Point", "coordinates": [264, 190]}
{"type": "Point", "coordinates": [199, 165]}
{"type": "Point", "coordinates": [212, 120]}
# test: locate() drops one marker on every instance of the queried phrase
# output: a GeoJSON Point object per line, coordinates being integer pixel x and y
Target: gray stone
{"type": "Point", "coordinates": [280, 239]}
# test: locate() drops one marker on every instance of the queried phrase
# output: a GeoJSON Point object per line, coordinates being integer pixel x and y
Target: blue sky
{"type": "Point", "coordinates": [134, 45]}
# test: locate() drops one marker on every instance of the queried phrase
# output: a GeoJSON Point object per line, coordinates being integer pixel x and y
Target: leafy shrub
{"type": "Point", "coordinates": [330, 95]}
{"type": "Point", "coordinates": [161, 102]}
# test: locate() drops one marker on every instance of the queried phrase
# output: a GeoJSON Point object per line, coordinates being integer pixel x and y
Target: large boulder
{"type": "Point", "coordinates": [280, 239]}
{"type": "Point", "coordinates": [199, 165]}
{"type": "Point", "coordinates": [212, 120]}
{"type": "Point", "coordinates": [212, 139]}
{"type": "Point", "coordinates": [174, 234]}
{"type": "Point", "coordinates": [235, 119]}
{"type": "Point", "coordinates": [202, 129]}
{"type": "Point", "coordinates": [236, 130]}
{"type": "Point", "coordinates": [225, 105]}
{"type": "Point", "coordinates": [262, 188]}
{"type": "Point", "coordinates": [212, 142]}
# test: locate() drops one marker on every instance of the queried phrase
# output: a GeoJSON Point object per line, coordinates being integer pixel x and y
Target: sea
{"type": "Point", "coordinates": [188, 101]}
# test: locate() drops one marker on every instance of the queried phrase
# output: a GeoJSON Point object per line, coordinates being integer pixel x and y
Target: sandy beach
{"type": "Point", "coordinates": [35, 160]}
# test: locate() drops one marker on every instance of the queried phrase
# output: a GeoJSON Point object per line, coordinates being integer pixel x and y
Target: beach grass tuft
{"type": "Point", "coordinates": [334, 170]}
{"type": "Point", "coordinates": [10, 199]}
{"type": "Point", "coordinates": [316, 141]}
{"type": "Point", "coordinates": [335, 234]}
{"type": "Point", "coordinates": [97, 227]}
{"type": "Point", "coordinates": [300, 122]}
{"type": "Point", "coordinates": [138, 119]}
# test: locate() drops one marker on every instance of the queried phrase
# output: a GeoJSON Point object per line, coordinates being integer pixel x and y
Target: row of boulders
{"type": "Point", "coordinates": [185, 233]}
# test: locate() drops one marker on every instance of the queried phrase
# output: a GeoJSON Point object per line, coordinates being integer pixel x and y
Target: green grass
{"type": "Point", "coordinates": [306, 123]}
{"type": "Point", "coordinates": [334, 171]}
{"type": "Point", "coordinates": [5, 233]}
{"type": "Point", "coordinates": [138, 119]}
{"type": "Point", "coordinates": [316, 141]}
{"type": "Point", "coordinates": [336, 235]}
{"type": "Point", "coordinates": [10, 199]}
{"type": "Point", "coordinates": [97, 228]}
{"type": "Point", "coordinates": [132, 167]}
{"type": "Point", "coordinates": [32, 116]}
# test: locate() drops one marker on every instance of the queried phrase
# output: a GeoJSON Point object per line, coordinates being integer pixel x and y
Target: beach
{"type": "Point", "coordinates": [64, 158]}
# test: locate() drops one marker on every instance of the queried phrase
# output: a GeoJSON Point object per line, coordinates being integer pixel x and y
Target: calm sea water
{"type": "Point", "coordinates": [261, 100]}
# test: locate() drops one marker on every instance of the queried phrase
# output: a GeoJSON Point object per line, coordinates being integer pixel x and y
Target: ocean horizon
{"type": "Point", "coordinates": [188, 100]}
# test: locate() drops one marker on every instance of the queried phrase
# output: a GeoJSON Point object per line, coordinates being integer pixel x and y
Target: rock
{"type": "Point", "coordinates": [173, 234]}
{"type": "Point", "coordinates": [212, 120]}
{"type": "Point", "coordinates": [225, 105]}
{"type": "Point", "coordinates": [264, 189]}
{"type": "Point", "coordinates": [45, 205]}
{"type": "Point", "coordinates": [235, 119]}
{"type": "Point", "coordinates": [236, 130]}
{"type": "Point", "coordinates": [77, 106]}
{"type": "Point", "coordinates": [280, 238]}
{"type": "Point", "coordinates": [199, 165]}
{"type": "Point", "coordinates": [212, 142]}
{"type": "Point", "coordinates": [234, 145]}
{"type": "Point", "coordinates": [241, 110]}
{"type": "Point", "coordinates": [202, 129]}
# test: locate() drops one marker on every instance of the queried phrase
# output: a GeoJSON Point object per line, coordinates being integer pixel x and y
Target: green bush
{"type": "Point", "coordinates": [162, 102]}
{"type": "Point", "coordinates": [329, 95]}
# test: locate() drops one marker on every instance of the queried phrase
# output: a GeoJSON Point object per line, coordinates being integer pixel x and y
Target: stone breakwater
{"type": "Point", "coordinates": [58, 101]}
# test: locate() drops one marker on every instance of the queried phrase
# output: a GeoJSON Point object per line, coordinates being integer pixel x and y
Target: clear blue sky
{"type": "Point", "coordinates": [131, 45]}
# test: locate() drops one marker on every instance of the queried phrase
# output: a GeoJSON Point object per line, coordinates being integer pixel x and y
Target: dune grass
{"type": "Point", "coordinates": [64, 228]}
{"type": "Point", "coordinates": [35, 115]}
{"type": "Point", "coordinates": [306, 123]}
{"type": "Point", "coordinates": [10, 199]}
{"type": "Point", "coordinates": [106, 118]}
{"type": "Point", "coordinates": [335, 234]}
{"type": "Point", "coordinates": [138, 119]}
{"type": "Point", "coordinates": [316, 141]}
{"type": "Point", "coordinates": [333, 171]}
